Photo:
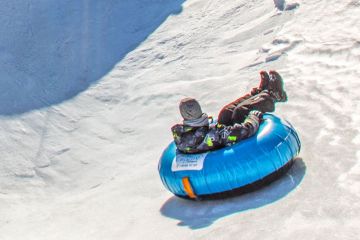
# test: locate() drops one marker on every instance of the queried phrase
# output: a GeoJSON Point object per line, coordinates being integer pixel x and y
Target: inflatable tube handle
{"type": "Point", "coordinates": [188, 189]}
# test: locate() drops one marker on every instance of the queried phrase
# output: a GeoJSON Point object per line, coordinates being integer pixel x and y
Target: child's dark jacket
{"type": "Point", "coordinates": [189, 139]}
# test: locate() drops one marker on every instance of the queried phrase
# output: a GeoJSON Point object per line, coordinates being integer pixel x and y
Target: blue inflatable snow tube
{"type": "Point", "coordinates": [240, 168]}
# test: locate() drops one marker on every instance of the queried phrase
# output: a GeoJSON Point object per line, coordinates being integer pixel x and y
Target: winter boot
{"type": "Point", "coordinates": [276, 87]}
{"type": "Point", "coordinates": [264, 83]}
{"type": "Point", "coordinates": [264, 80]}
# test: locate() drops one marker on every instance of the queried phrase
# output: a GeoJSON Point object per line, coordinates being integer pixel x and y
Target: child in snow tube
{"type": "Point", "coordinates": [237, 120]}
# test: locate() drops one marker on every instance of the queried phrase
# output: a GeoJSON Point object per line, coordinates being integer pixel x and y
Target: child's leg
{"type": "Point", "coordinates": [225, 115]}
{"type": "Point", "coordinates": [262, 102]}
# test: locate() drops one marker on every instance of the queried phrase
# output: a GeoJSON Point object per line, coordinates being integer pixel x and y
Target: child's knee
{"type": "Point", "coordinates": [225, 116]}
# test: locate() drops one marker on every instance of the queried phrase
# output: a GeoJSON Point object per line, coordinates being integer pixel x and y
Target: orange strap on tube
{"type": "Point", "coordinates": [187, 187]}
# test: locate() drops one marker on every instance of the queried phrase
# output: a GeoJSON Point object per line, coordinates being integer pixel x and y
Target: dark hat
{"type": "Point", "coordinates": [190, 109]}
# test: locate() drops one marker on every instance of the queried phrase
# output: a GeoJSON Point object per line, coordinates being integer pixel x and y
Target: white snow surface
{"type": "Point", "coordinates": [90, 89]}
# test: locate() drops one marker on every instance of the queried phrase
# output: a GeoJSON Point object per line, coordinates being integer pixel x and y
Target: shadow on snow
{"type": "Point", "coordinates": [201, 214]}
{"type": "Point", "coordinates": [52, 50]}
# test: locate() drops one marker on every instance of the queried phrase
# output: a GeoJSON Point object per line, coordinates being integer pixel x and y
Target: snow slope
{"type": "Point", "coordinates": [89, 91]}
{"type": "Point", "coordinates": [51, 51]}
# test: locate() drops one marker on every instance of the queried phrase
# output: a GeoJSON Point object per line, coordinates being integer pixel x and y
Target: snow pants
{"type": "Point", "coordinates": [237, 111]}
